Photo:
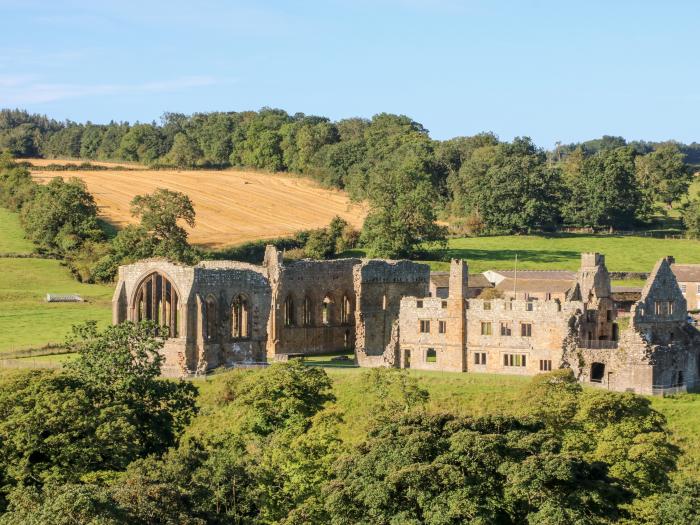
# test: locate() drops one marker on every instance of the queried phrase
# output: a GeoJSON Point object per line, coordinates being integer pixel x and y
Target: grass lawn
{"type": "Point", "coordinates": [12, 236]}
{"type": "Point", "coordinates": [622, 253]}
{"type": "Point", "coordinates": [462, 393]}
{"type": "Point", "coordinates": [26, 320]}
{"type": "Point", "coordinates": [340, 360]}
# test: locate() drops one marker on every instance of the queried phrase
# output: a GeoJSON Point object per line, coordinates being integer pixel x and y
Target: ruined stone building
{"type": "Point", "coordinates": [560, 320]}
{"type": "Point", "coordinates": [219, 313]}
{"type": "Point", "coordinates": [395, 313]}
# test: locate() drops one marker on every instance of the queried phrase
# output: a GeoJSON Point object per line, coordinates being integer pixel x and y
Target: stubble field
{"type": "Point", "coordinates": [232, 206]}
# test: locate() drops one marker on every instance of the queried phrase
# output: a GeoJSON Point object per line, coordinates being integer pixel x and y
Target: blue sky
{"type": "Point", "coordinates": [565, 71]}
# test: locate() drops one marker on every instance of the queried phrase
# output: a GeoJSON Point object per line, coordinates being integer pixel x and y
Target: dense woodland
{"type": "Point", "coordinates": [104, 441]}
{"type": "Point", "coordinates": [478, 184]}
{"type": "Point", "coordinates": [482, 183]}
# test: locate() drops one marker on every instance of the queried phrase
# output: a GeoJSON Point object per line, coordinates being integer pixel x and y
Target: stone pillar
{"type": "Point", "coordinates": [457, 308]}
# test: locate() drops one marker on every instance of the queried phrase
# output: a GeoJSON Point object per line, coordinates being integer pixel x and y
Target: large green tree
{"type": "Point", "coordinates": [509, 186]}
{"type": "Point", "coordinates": [605, 193]}
{"type": "Point", "coordinates": [160, 214]}
{"type": "Point", "coordinates": [61, 215]}
{"type": "Point", "coordinates": [403, 201]}
{"type": "Point", "coordinates": [663, 175]}
{"type": "Point", "coordinates": [107, 408]}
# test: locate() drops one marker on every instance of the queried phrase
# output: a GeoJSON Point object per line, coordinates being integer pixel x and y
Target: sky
{"type": "Point", "coordinates": [551, 70]}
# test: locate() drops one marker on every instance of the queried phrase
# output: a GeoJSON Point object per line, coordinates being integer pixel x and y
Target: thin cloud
{"type": "Point", "coordinates": [17, 90]}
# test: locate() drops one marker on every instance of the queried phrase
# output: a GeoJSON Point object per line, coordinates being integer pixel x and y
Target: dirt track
{"type": "Point", "coordinates": [232, 206]}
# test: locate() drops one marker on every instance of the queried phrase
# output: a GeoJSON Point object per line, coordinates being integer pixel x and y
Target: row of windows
{"type": "Point", "coordinates": [419, 304]}
{"type": "Point", "coordinates": [240, 318]}
{"type": "Point", "coordinates": [307, 317]}
{"type": "Point", "coordinates": [697, 290]}
{"type": "Point", "coordinates": [514, 360]}
{"type": "Point", "coordinates": [663, 307]}
{"type": "Point", "coordinates": [529, 306]}
{"type": "Point", "coordinates": [509, 360]}
{"type": "Point", "coordinates": [506, 329]}
{"type": "Point", "coordinates": [424, 327]}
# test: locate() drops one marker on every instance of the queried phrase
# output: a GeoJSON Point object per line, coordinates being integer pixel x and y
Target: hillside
{"type": "Point", "coordinates": [26, 320]}
{"type": "Point", "coordinates": [232, 206]}
{"type": "Point", "coordinates": [462, 393]}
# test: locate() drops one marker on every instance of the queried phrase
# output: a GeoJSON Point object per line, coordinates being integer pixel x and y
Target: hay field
{"type": "Point", "coordinates": [232, 206]}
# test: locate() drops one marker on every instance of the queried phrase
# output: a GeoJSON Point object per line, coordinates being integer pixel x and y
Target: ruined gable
{"type": "Point", "coordinates": [662, 300]}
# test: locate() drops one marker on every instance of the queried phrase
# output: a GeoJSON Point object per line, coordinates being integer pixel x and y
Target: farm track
{"type": "Point", "coordinates": [232, 206]}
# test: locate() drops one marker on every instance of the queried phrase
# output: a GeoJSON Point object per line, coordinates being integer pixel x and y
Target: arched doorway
{"type": "Point", "coordinates": [597, 372]}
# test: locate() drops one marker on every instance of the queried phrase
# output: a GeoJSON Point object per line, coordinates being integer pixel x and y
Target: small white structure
{"type": "Point", "coordinates": [63, 298]}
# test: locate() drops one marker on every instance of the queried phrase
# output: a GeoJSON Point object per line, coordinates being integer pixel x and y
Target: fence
{"type": "Point", "coordinates": [49, 349]}
{"type": "Point", "coordinates": [29, 363]}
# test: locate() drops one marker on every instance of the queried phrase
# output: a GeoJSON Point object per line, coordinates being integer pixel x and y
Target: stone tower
{"type": "Point", "coordinates": [592, 277]}
{"type": "Point", "coordinates": [457, 312]}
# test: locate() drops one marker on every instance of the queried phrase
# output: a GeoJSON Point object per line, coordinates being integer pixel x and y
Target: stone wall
{"type": "Point", "coordinates": [432, 330]}
{"type": "Point", "coordinates": [315, 292]}
{"type": "Point", "coordinates": [207, 289]}
{"type": "Point", "coordinates": [549, 327]}
{"type": "Point", "coordinates": [379, 287]}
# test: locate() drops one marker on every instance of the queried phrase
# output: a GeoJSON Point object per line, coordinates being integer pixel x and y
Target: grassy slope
{"type": "Point", "coordinates": [11, 235]}
{"type": "Point", "coordinates": [26, 320]}
{"type": "Point", "coordinates": [463, 393]}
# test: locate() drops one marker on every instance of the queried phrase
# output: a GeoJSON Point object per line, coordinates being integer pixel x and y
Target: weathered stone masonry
{"type": "Point", "coordinates": [390, 313]}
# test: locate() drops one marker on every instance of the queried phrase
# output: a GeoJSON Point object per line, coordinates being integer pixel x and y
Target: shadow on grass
{"type": "Point", "coordinates": [109, 229]}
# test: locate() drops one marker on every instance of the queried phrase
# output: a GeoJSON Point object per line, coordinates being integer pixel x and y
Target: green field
{"type": "Point", "coordinates": [559, 252]}
{"type": "Point", "coordinates": [12, 239]}
{"type": "Point", "coordinates": [461, 393]}
{"type": "Point", "coordinates": [622, 253]}
{"type": "Point", "coordinates": [26, 320]}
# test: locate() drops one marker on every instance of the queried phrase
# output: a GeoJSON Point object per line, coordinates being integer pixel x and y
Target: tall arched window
{"type": "Point", "coordinates": [240, 318]}
{"type": "Point", "coordinates": [212, 318]}
{"type": "Point", "coordinates": [345, 310]}
{"type": "Point", "coordinates": [326, 310]}
{"type": "Point", "coordinates": [289, 311]}
{"type": "Point", "coordinates": [157, 300]}
{"type": "Point", "coordinates": [307, 314]}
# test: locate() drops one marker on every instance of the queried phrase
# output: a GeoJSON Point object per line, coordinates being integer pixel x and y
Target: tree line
{"type": "Point", "coordinates": [104, 441]}
{"type": "Point", "coordinates": [479, 184]}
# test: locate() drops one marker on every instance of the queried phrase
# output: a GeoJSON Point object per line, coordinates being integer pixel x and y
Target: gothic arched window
{"type": "Point", "coordinates": [212, 318]}
{"type": "Point", "coordinates": [289, 311]}
{"type": "Point", "coordinates": [156, 300]}
{"type": "Point", "coordinates": [240, 318]}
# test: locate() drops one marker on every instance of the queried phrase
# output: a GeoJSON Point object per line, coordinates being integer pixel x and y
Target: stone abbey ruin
{"type": "Point", "coordinates": [398, 314]}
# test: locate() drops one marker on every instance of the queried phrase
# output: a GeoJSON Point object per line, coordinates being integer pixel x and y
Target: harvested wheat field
{"type": "Point", "coordinates": [232, 206]}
